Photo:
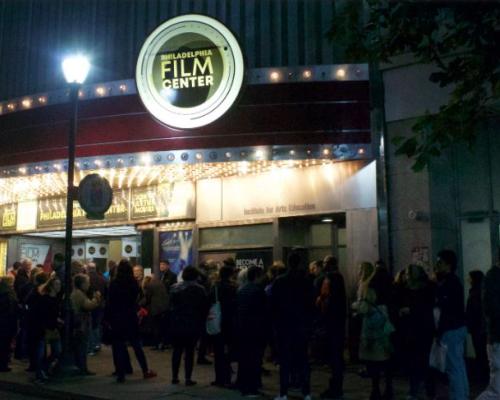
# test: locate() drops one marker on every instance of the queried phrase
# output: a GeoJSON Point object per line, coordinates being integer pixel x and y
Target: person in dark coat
{"type": "Point", "coordinates": [8, 320]}
{"type": "Point", "coordinates": [224, 291]}
{"type": "Point", "coordinates": [476, 324]}
{"type": "Point", "coordinates": [491, 306]}
{"type": "Point", "coordinates": [419, 316]}
{"type": "Point", "coordinates": [121, 314]}
{"type": "Point", "coordinates": [169, 279]}
{"type": "Point", "coordinates": [251, 331]}
{"type": "Point", "coordinates": [155, 300]}
{"type": "Point", "coordinates": [292, 301]}
{"type": "Point", "coordinates": [36, 323]}
{"type": "Point", "coordinates": [188, 310]}
{"type": "Point", "coordinates": [451, 329]}
{"type": "Point", "coordinates": [97, 284]}
{"type": "Point", "coordinates": [332, 302]}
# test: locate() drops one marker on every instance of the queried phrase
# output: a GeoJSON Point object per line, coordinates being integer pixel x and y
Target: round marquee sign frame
{"type": "Point", "coordinates": [190, 71]}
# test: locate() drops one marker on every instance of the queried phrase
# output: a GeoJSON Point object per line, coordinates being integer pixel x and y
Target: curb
{"type": "Point", "coordinates": [44, 392]}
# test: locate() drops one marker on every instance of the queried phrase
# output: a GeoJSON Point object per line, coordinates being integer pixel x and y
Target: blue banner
{"type": "Point", "coordinates": [177, 248]}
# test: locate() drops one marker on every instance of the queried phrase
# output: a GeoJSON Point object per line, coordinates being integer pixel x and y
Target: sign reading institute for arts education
{"type": "Point", "coordinates": [189, 71]}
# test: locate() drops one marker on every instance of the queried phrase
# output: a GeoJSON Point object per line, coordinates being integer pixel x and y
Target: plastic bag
{"type": "Point", "coordinates": [437, 358]}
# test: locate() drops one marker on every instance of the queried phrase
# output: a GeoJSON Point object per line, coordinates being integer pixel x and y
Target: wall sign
{"type": "Point", "coordinates": [8, 217]}
{"type": "Point", "coordinates": [189, 71]}
{"type": "Point", "coordinates": [52, 213]}
{"type": "Point", "coordinates": [166, 201]}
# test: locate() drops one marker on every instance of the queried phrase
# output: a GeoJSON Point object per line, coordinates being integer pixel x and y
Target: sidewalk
{"type": "Point", "coordinates": [103, 385]}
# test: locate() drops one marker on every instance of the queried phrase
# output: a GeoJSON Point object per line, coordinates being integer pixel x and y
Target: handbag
{"type": "Point", "coordinates": [437, 357]}
{"type": "Point", "coordinates": [214, 317]}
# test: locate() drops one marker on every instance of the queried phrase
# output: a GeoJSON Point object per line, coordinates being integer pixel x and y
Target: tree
{"type": "Point", "coordinates": [462, 39]}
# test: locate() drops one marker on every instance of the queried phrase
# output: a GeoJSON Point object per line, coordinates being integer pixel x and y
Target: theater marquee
{"type": "Point", "coordinates": [190, 71]}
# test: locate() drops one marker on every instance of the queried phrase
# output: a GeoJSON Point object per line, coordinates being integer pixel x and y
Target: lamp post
{"type": "Point", "coordinates": [75, 69]}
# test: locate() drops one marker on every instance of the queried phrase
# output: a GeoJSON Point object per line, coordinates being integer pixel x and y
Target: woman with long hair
{"type": "Point", "coordinates": [121, 314]}
{"type": "Point", "coordinates": [376, 329]}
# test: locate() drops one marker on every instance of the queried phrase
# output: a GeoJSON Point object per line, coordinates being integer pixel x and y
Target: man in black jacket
{"type": "Point", "coordinates": [333, 304]}
{"type": "Point", "coordinates": [292, 301]}
{"type": "Point", "coordinates": [451, 327]}
{"type": "Point", "coordinates": [251, 332]}
{"type": "Point", "coordinates": [491, 306]}
{"type": "Point", "coordinates": [168, 278]}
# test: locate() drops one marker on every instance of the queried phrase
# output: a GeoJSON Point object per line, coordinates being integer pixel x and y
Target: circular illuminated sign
{"type": "Point", "coordinates": [190, 71]}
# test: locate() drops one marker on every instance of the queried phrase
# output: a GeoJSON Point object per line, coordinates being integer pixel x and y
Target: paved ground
{"type": "Point", "coordinates": [103, 385]}
{"type": "Point", "coordinates": [15, 396]}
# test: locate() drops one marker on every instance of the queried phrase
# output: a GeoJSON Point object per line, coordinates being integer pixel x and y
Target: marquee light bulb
{"type": "Point", "coordinates": [275, 76]}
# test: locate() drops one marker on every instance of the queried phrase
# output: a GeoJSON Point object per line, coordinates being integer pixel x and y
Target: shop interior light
{"type": "Point", "coordinates": [11, 106]}
{"type": "Point", "coordinates": [292, 152]}
{"type": "Point", "coordinates": [199, 156]}
{"type": "Point", "coordinates": [361, 151]}
{"type": "Point", "coordinates": [307, 74]}
{"type": "Point", "coordinates": [42, 100]}
{"type": "Point", "coordinates": [80, 94]}
{"type": "Point", "coordinates": [123, 88]}
{"type": "Point", "coordinates": [326, 152]}
{"type": "Point", "coordinates": [340, 73]}
{"type": "Point", "coordinates": [22, 170]}
{"type": "Point", "coordinates": [327, 220]}
{"type": "Point", "coordinates": [76, 68]}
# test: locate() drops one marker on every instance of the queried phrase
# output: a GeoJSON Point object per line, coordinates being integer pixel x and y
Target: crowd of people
{"type": "Point", "coordinates": [292, 313]}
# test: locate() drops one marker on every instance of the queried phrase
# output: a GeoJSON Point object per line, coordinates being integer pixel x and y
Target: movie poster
{"type": "Point", "coordinates": [177, 248]}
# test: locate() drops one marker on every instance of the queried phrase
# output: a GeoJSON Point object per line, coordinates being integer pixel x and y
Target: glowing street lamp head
{"type": "Point", "coordinates": [76, 68]}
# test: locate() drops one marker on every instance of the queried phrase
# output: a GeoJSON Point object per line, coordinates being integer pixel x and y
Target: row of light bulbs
{"type": "Point", "coordinates": [147, 159]}
{"type": "Point", "coordinates": [274, 75]}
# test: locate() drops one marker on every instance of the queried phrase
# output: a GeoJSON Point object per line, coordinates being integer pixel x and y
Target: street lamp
{"type": "Point", "coordinates": [75, 69]}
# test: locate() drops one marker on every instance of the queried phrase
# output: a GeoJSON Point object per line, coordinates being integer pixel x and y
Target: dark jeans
{"type": "Point", "coordinates": [336, 341]}
{"type": "Point", "coordinates": [375, 370]}
{"type": "Point", "coordinates": [184, 345]}
{"type": "Point", "coordinates": [418, 365]}
{"type": "Point", "coordinates": [293, 357]}
{"type": "Point", "coordinates": [5, 343]}
{"type": "Point", "coordinates": [203, 345]}
{"type": "Point", "coordinates": [249, 364]}
{"type": "Point", "coordinates": [480, 342]}
{"type": "Point", "coordinates": [222, 363]}
{"type": "Point", "coordinates": [22, 350]}
{"type": "Point", "coordinates": [121, 357]}
{"type": "Point", "coordinates": [80, 346]}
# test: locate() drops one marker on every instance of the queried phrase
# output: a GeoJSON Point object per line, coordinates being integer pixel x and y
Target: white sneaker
{"type": "Point", "coordinates": [281, 398]}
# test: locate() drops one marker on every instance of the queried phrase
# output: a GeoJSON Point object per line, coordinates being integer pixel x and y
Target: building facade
{"type": "Point", "coordinates": [292, 164]}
